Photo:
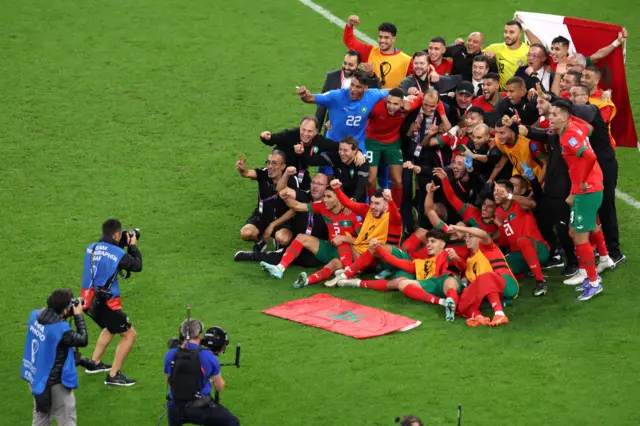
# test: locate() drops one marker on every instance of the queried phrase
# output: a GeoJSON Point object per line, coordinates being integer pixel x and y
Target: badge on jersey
{"type": "Point", "coordinates": [315, 149]}
{"type": "Point", "coordinates": [573, 142]}
{"type": "Point", "coordinates": [364, 110]}
{"type": "Point", "coordinates": [351, 172]}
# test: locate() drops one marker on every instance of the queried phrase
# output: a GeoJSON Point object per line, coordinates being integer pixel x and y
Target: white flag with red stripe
{"type": "Point", "coordinates": [587, 37]}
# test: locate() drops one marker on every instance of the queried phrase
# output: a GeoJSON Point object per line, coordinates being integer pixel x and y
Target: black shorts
{"type": "Point", "coordinates": [257, 220]}
{"type": "Point", "coordinates": [116, 321]}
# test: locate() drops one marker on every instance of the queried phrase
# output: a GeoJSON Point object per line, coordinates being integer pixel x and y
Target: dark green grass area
{"type": "Point", "coordinates": [139, 109]}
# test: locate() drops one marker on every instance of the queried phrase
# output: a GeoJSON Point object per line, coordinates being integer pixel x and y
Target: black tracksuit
{"type": "Point", "coordinates": [354, 178]}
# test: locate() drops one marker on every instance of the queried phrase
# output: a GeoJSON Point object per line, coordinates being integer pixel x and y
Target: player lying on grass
{"type": "Point", "coordinates": [381, 221]}
{"type": "Point", "coordinates": [489, 278]}
{"type": "Point", "coordinates": [340, 223]}
{"type": "Point", "coordinates": [527, 247]}
{"type": "Point", "coordinates": [433, 280]}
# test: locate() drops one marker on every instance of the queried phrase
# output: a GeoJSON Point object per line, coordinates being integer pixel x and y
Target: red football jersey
{"type": "Point", "coordinates": [337, 224]}
{"type": "Point", "coordinates": [518, 222]}
{"type": "Point", "coordinates": [384, 127]}
{"type": "Point", "coordinates": [574, 141]}
{"type": "Point", "coordinates": [445, 67]}
{"type": "Point", "coordinates": [481, 102]}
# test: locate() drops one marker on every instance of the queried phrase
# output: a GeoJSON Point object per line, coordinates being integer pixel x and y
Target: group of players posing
{"type": "Point", "coordinates": [455, 266]}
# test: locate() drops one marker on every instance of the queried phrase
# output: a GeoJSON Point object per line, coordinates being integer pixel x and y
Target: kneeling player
{"type": "Point", "coordinates": [339, 223]}
{"type": "Point", "coordinates": [489, 277]}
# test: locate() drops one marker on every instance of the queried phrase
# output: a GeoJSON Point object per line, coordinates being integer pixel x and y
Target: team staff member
{"type": "Point", "coordinates": [271, 218]}
{"type": "Point", "coordinates": [516, 103]}
{"type": "Point", "coordinates": [509, 55]}
{"type": "Point", "coordinates": [341, 79]}
{"type": "Point", "coordinates": [182, 369]}
{"type": "Point", "coordinates": [463, 54]}
{"type": "Point", "coordinates": [389, 64]}
{"type": "Point", "coordinates": [101, 290]}
{"type": "Point", "coordinates": [418, 82]}
{"type": "Point", "coordinates": [48, 362]}
{"type": "Point", "coordinates": [297, 143]}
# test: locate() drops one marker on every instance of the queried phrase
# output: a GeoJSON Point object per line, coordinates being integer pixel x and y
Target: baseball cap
{"type": "Point", "coordinates": [465, 87]}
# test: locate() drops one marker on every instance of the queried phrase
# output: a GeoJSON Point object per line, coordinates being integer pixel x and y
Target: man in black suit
{"type": "Point", "coordinates": [537, 70]}
{"type": "Point", "coordinates": [341, 78]}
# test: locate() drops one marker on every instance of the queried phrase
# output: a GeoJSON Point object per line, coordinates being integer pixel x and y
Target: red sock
{"type": "Point", "coordinates": [378, 285]}
{"type": "Point", "coordinates": [321, 275]}
{"type": "Point", "coordinates": [363, 262]}
{"type": "Point", "coordinates": [411, 244]}
{"type": "Point", "coordinates": [494, 299]}
{"type": "Point", "coordinates": [587, 261]}
{"type": "Point", "coordinates": [371, 190]}
{"type": "Point", "coordinates": [291, 253]}
{"type": "Point", "coordinates": [417, 293]}
{"type": "Point", "coordinates": [346, 255]}
{"type": "Point", "coordinates": [396, 194]}
{"type": "Point", "coordinates": [597, 239]}
{"type": "Point", "coordinates": [453, 294]}
{"type": "Point", "coordinates": [530, 256]}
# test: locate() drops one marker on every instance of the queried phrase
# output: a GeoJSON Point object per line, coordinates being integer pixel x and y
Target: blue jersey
{"type": "Point", "coordinates": [348, 117]}
{"type": "Point", "coordinates": [209, 366]}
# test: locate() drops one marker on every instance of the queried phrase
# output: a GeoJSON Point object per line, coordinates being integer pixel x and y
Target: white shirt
{"type": "Point", "coordinates": [545, 78]}
{"type": "Point", "coordinates": [346, 82]}
{"type": "Point", "coordinates": [476, 86]}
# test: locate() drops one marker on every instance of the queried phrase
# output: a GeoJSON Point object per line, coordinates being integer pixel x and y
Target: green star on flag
{"type": "Point", "coordinates": [346, 316]}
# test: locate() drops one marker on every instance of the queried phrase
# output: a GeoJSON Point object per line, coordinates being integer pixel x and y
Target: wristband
{"type": "Point", "coordinates": [510, 196]}
{"type": "Point", "coordinates": [615, 43]}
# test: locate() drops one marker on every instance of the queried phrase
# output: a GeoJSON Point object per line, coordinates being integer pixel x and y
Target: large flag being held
{"type": "Point", "coordinates": [586, 38]}
{"type": "Point", "coordinates": [342, 316]}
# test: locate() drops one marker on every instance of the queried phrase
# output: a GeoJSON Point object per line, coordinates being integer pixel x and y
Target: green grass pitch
{"type": "Point", "coordinates": [138, 110]}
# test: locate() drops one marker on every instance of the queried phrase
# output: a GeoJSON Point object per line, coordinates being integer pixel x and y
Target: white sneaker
{"type": "Point", "coordinates": [338, 272]}
{"type": "Point", "coordinates": [577, 278]}
{"type": "Point", "coordinates": [605, 264]}
{"type": "Point", "coordinates": [334, 282]}
{"type": "Point", "coordinates": [353, 282]}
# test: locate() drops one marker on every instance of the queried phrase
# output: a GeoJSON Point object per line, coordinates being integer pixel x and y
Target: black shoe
{"type": "Point", "coordinates": [570, 270]}
{"type": "Point", "coordinates": [119, 380]}
{"type": "Point", "coordinates": [553, 262]}
{"type": "Point", "coordinates": [530, 274]}
{"type": "Point", "coordinates": [245, 256]}
{"type": "Point", "coordinates": [618, 259]}
{"type": "Point", "coordinates": [92, 367]}
{"type": "Point", "coordinates": [541, 288]}
{"type": "Point", "coordinates": [260, 246]}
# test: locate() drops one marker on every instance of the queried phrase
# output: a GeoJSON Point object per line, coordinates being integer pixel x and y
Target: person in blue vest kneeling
{"type": "Point", "coordinates": [192, 371]}
{"type": "Point", "coordinates": [48, 362]}
{"type": "Point", "coordinates": [103, 263]}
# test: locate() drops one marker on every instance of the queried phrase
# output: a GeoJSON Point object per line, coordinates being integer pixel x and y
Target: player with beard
{"type": "Point", "coordinates": [418, 82]}
{"type": "Point", "coordinates": [509, 55]}
{"type": "Point", "coordinates": [441, 66]}
{"type": "Point", "coordinates": [381, 221]}
{"type": "Point", "coordinates": [591, 78]}
{"type": "Point", "coordinates": [484, 157]}
{"type": "Point", "coordinates": [459, 104]}
{"type": "Point", "coordinates": [383, 139]}
{"type": "Point", "coordinates": [491, 95]}
{"type": "Point", "coordinates": [338, 221]}
{"type": "Point", "coordinates": [389, 64]}
{"type": "Point", "coordinates": [341, 79]}
{"type": "Point", "coordinates": [518, 150]}
{"type": "Point", "coordinates": [527, 247]}
{"type": "Point", "coordinates": [349, 108]}
{"type": "Point", "coordinates": [302, 141]}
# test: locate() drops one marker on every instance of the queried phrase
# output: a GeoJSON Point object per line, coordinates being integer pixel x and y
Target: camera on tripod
{"type": "Point", "coordinates": [124, 241]}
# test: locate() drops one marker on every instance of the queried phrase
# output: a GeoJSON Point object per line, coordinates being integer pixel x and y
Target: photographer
{"type": "Point", "coordinates": [191, 371]}
{"type": "Point", "coordinates": [48, 361]}
{"type": "Point", "coordinates": [100, 289]}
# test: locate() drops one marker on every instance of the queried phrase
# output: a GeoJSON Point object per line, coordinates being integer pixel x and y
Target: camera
{"type": "Point", "coordinates": [215, 339]}
{"type": "Point", "coordinates": [76, 301]}
{"type": "Point", "coordinates": [123, 239]}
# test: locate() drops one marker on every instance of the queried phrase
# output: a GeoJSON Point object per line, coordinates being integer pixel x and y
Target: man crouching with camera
{"type": "Point", "coordinates": [191, 369]}
{"type": "Point", "coordinates": [103, 262]}
{"type": "Point", "coordinates": [48, 361]}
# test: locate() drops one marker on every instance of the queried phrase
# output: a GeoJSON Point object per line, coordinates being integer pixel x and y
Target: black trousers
{"type": "Point", "coordinates": [306, 258]}
{"type": "Point", "coordinates": [206, 413]}
{"type": "Point", "coordinates": [407, 199]}
{"type": "Point", "coordinates": [546, 222]}
{"type": "Point", "coordinates": [559, 212]}
{"type": "Point", "coordinates": [607, 212]}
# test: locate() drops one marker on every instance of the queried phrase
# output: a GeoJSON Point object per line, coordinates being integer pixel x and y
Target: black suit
{"type": "Point", "coordinates": [333, 82]}
{"type": "Point", "coordinates": [531, 81]}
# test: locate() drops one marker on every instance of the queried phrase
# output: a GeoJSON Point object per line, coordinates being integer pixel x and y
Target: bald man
{"type": "Point", "coordinates": [463, 53]}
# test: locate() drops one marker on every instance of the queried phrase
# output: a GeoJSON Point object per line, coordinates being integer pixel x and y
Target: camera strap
{"type": "Point", "coordinates": [107, 285]}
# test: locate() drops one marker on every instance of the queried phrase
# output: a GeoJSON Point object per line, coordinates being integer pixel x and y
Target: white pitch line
{"type": "Point", "coordinates": [362, 36]}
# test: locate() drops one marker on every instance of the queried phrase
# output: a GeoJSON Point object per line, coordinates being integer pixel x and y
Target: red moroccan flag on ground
{"type": "Point", "coordinates": [342, 316]}
{"type": "Point", "coordinates": [587, 37]}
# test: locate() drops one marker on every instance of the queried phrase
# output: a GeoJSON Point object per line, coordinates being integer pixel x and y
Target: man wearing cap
{"type": "Point", "coordinates": [460, 102]}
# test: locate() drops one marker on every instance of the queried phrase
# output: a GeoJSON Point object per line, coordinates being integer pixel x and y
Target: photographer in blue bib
{"type": "Point", "coordinates": [48, 361]}
{"type": "Point", "coordinates": [104, 261]}
{"type": "Point", "coordinates": [192, 371]}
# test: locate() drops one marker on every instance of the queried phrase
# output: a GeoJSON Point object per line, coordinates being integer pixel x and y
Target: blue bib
{"type": "Point", "coordinates": [100, 264]}
{"type": "Point", "coordinates": [40, 354]}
